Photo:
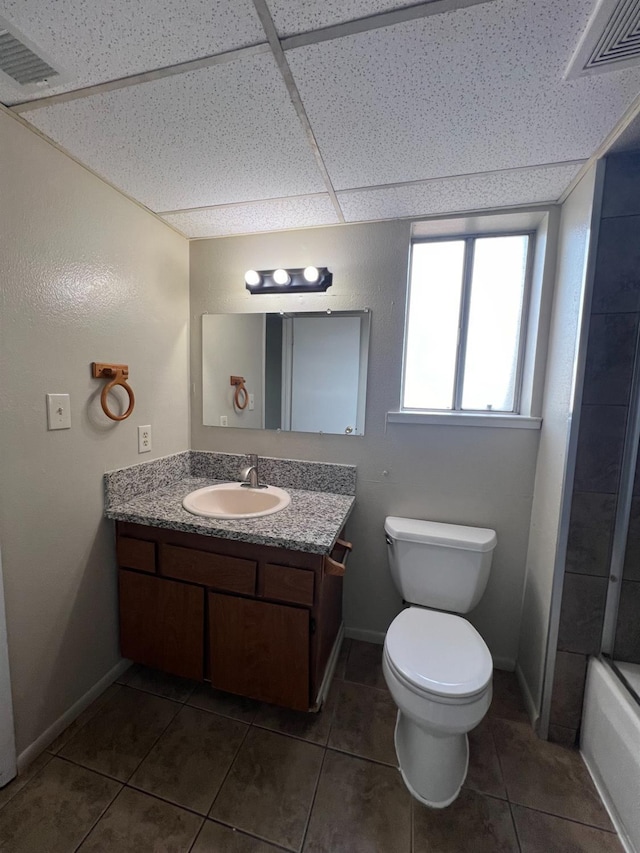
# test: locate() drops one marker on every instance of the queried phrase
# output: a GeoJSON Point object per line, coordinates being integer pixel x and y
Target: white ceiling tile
{"type": "Point", "coordinates": [224, 134]}
{"type": "Point", "coordinates": [448, 195]}
{"type": "Point", "coordinates": [272, 215]}
{"type": "Point", "coordinates": [95, 41]}
{"type": "Point", "coordinates": [474, 90]}
{"type": "Point", "coordinates": [300, 16]}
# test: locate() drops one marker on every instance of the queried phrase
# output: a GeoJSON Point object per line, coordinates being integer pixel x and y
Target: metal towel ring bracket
{"type": "Point", "coordinates": [118, 375]}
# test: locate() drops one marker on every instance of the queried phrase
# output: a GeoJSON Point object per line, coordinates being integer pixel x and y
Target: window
{"type": "Point", "coordinates": [465, 326]}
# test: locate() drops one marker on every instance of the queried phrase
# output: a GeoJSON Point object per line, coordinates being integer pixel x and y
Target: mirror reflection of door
{"type": "Point", "coordinates": [323, 375]}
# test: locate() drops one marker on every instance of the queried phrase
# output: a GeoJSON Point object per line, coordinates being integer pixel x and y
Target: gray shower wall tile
{"type": "Point", "coordinates": [610, 357]}
{"type": "Point", "coordinates": [582, 613]}
{"type": "Point", "coordinates": [590, 533]}
{"type": "Point", "coordinates": [621, 195]}
{"type": "Point", "coordinates": [627, 643]}
{"type": "Point", "coordinates": [631, 570]}
{"type": "Point", "coordinates": [617, 275]}
{"type": "Point", "coordinates": [568, 689]}
{"type": "Point", "coordinates": [600, 445]}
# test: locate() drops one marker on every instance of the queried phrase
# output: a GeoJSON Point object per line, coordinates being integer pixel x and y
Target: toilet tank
{"type": "Point", "coordinates": [443, 566]}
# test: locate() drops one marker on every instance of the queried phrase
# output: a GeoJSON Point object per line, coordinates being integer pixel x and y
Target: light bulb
{"type": "Point", "coordinates": [311, 274]}
{"type": "Point", "coordinates": [281, 277]}
{"type": "Point", "coordinates": [252, 277]}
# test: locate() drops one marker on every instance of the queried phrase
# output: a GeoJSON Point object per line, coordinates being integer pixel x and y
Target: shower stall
{"type": "Point", "coordinates": [593, 698]}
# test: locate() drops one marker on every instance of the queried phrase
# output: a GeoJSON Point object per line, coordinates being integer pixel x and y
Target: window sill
{"type": "Point", "coordinates": [464, 419]}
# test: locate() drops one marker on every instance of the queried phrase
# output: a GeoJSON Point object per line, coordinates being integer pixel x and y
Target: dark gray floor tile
{"type": "Point", "coordinates": [507, 702]}
{"type": "Point", "coordinates": [227, 704]}
{"type": "Point", "coordinates": [360, 807]}
{"type": "Point", "coordinates": [543, 833]}
{"type": "Point", "coordinates": [160, 683]}
{"type": "Point", "coordinates": [9, 791]}
{"type": "Point", "coordinates": [137, 823]}
{"type": "Point", "coordinates": [312, 727]}
{"type": "Point", "coordinates": [190, 761]}
{"type": "Point", "coordinates": [590, 533]}
{"type": "Point", "coordinates": [547, 776]}
{"type": "Point", "coordinates": [474, 823]}
{"type": "Point", "coordinates": [364, 664]}
{"type": "Point", "coordinates": [270, 787]}
{"type": "Point", "coordinates": [343, 656]}
{"type": "Point", "coordinates": [83, 718]}
{"type": "Point", "coordinates": [55, 810]}
{"type": "Point", "coordinates": [484, 772]}
{"type": "Point", "coordinates": [215, 838]}
{"type": "Point", "coordinates": [364, 723]}
{"type": "Point", "coordinates": [120, 735]}
{"type": "Point", "coordinates": [582, 613]}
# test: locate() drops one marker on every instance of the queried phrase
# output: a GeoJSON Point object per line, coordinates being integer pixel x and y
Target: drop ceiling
{"type": "Point", "coordinates": [247, 116]}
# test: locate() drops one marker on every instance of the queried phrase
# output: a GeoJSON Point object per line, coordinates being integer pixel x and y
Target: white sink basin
{"type": "Point", "coordinates": [233, 500]}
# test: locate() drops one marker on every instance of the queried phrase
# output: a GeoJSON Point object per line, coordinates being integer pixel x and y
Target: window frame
{"type": "Point", "coordinates": [469, 239]}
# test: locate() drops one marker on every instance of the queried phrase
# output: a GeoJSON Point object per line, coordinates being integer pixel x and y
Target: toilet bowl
{"type": "Point", "coordinates": [437, 666]}
{"type": "Point", "coordinates": [438, 670]}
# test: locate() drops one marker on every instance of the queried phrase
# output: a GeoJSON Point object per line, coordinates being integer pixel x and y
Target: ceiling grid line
{"type": "Point", "coordinates": [278, 53]}
{"type": "Point", "coordinates": [375, 187]}
{"type": "Point", "coordinates": [143, 77]}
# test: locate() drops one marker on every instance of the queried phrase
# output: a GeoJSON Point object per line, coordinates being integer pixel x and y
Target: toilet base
{"type": "Point", "coordinates": [433, 768]}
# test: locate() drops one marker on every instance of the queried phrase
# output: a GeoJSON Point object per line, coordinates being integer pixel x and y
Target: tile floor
{"type": "Point", "coordinates": [161, 765]}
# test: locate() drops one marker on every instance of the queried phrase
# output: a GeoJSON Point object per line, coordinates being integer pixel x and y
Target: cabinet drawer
{"type": "Point", "coordinates": [230, 574]}
{"type": "Point", "coordinates": [136, 554]}
{"type": "Point", "coordinates": [286, 584]}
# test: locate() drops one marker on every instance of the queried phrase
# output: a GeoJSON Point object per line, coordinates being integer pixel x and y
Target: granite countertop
{"type": "Point", "coordinates": [312, 522]}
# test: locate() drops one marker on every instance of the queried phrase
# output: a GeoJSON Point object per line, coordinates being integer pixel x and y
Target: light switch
{"type": "Point", "coordinates": [58, 411]}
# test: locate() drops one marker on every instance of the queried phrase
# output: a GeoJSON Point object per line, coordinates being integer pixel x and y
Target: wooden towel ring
{"type": "Point", "coordinates": [118, 374]}
{"type": "Point", "coordinates": [240, 391]}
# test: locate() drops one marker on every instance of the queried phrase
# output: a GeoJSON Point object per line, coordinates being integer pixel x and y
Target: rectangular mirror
{"type": "Point", "coordinates": [304, 372]}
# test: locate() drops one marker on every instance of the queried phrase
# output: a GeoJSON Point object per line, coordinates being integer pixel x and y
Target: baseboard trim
{"type": "Point", "coordinates": [530, 705]}
{"type": "Point", "coordinates": [49, 735]}
{"type": "Point", "coordinates": [365, 635]}
{"type": "Point", "coordinates": [508, 664]}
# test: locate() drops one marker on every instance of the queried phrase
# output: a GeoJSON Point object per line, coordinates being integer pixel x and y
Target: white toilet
{"type": "Point", "coordinates": [436, 665]}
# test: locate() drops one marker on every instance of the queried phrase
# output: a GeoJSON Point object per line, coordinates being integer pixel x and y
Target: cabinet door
{"type": "Point", "coordinates": [162, 623]}
{"type": "Point", "coordinates": [260, 650]}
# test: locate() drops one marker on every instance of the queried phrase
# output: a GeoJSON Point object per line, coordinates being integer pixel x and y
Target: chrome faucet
{"type": "Point", "coordinates": [249, 474]}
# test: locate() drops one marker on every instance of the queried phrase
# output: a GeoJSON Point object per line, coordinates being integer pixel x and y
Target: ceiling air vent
{"type": "Point", "coordinates": [611, 41]}
{"type": "Point", "coordinates": [20, 63]}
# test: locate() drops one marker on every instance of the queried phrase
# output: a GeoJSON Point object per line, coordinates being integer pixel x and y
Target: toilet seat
{"type": "Point", "coordinates": [438, 654]}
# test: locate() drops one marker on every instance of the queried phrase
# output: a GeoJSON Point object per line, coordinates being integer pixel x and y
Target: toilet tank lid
{"type": "Point", "coordinates": [439, 533]}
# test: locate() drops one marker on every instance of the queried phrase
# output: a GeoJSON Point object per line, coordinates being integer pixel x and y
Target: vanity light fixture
{"type": "Point", "coordinates": [281, 277]}
{"type": "Point", "coordinates": [252, 277]}
{"type": "Point", "coordinates": [299, 280]}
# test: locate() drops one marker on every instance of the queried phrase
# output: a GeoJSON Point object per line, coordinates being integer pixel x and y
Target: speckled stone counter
{"type": "Point", "coordinates": [152, 494]}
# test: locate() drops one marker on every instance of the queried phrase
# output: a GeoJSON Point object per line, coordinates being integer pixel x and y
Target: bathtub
{"type": "Point", "coordinates": [610, 746]}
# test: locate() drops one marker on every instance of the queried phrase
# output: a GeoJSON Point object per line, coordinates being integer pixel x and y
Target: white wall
{"type": "Point", "coordinates": [545, 540]}
{"type": "Point", "coordinates": [86, 275]}
{"type": "Point", "coordinates": [481, 476]}
{"type": "Point", "coordinates": [233, 346]}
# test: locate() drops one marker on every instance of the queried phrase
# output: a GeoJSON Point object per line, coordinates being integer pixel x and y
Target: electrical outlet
{"type": "Point", "coordinates": [223, 420]}
{"type": "Point", "coordinates": [252, 402]}
{"type": "Point", "coordinates": [144, 439]}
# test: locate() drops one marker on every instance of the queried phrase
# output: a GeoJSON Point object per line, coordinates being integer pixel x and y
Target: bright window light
{"type": "Point", "coordinates": [464, 320]}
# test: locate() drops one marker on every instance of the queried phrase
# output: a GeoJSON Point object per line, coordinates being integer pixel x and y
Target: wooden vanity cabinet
{"type": "Point", "coordinates": [255, 620]}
